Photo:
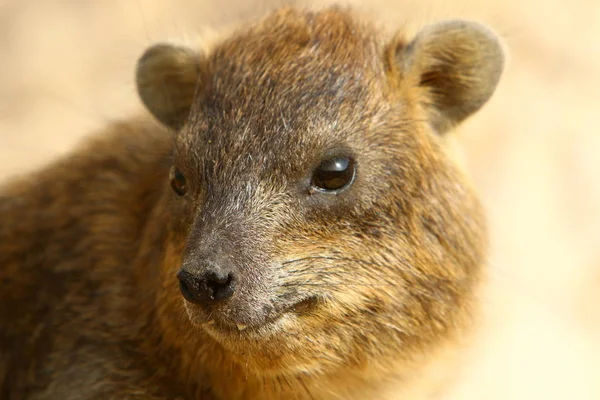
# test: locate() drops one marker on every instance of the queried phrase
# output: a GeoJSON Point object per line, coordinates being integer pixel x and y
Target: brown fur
{"type": "Point", "coordinates": [380, 278]}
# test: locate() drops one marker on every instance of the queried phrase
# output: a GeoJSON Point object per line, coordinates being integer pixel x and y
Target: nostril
{"type": "Point", "coordinates": [211, 286]}
{"type": "Point", "coordinates": [186, 286]}
{"type": "Point", "coordinates": [220, 285]}
{"type": "Point", "coordinates": [218, 278]}
{"type": "Point", "coordinates": [185, 291]}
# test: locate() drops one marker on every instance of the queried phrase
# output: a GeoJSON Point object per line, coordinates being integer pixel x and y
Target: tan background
{"type": "Point", "coordinates": [66, 68]}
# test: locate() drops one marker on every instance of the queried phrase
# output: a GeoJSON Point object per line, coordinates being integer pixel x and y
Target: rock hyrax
{"type": "Point", "coordinates": [291, 227]}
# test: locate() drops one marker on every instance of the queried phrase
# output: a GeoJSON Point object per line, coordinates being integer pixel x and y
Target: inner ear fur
{"type": "Point", "coordinates": [167, 77]}
{"type": "Point", "coordinates": [457, 64]}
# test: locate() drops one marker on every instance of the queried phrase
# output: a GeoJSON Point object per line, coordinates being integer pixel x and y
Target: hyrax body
{"type": "Point", "coordinates": [292, 228]}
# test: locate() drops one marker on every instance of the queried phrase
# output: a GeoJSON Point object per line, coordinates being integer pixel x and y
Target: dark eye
{"type": "Point", "coordinates": [178, 182]}
{"type": "Point", "coordinates": [333, 175]}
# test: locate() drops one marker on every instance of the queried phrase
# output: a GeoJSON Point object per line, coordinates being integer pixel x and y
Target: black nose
{"type": "Point", "coordinates": [206, 287]}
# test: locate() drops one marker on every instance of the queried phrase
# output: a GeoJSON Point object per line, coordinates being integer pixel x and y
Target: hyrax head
{"type": "Point", "coordinates": [320, 221]}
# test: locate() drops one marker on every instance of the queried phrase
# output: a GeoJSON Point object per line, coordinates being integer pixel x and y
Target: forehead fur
{"type": "Point", "coordinates": [297, 51]}
{"type": "Point", "coordinates": [291, 73]}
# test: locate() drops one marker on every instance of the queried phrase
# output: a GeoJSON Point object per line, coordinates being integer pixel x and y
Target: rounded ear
{"type": "Point", "coordinates": [457, 63]}
{"type": "Point", "coordinates": [167, 77]}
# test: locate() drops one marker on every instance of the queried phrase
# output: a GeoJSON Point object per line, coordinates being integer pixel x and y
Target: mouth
{"type": "Point", "coordinates": [267, 325]}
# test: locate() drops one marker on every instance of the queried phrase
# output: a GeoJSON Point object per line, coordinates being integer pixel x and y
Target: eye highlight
{"type": "Point", "coordinates": [333, 175]}
{"type": "Point", "coordinates": [178, 183]}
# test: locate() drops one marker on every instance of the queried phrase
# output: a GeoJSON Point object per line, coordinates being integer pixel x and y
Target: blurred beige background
{"type": "Point", "coordinates": [66, 68]}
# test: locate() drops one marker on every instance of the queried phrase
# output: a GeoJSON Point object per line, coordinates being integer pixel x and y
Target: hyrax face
{"type": "Point", "coordinates": [320, 221]}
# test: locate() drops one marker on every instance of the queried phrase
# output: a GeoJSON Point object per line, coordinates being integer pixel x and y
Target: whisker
{"type": "Point", "coordinates": [320, 284]}
{"type": "Point", "coordinates": [404, 266]}
{"type": "Point", "coordinates": [308, 392]}
{"type": "Point", "coordinates": [333, 258]}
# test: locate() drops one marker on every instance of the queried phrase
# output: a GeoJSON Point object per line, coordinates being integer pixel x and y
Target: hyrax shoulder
{"type": "Point", "coordinates": [290, 228]}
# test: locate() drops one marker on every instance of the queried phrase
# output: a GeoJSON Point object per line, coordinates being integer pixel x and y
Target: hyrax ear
{"type": "Point", "coordinates": [167, 77]}
{"type": "Point", "coordinates": [457, 64]}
